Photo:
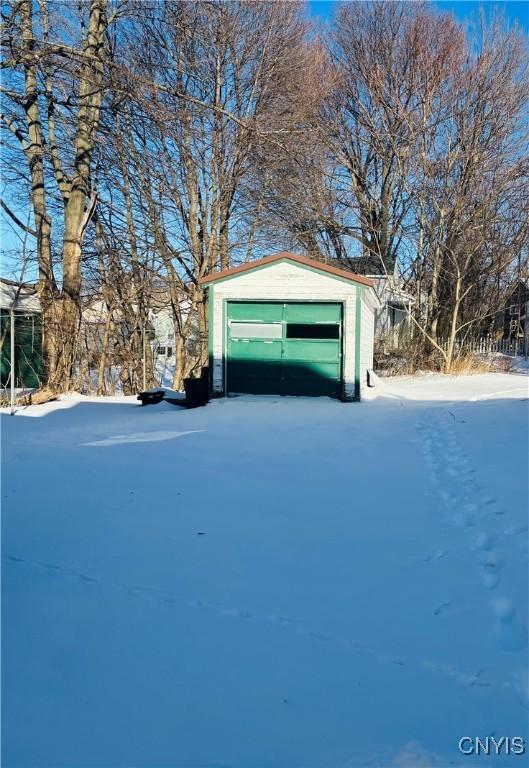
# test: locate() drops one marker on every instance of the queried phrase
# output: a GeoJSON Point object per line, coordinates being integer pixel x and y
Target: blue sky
{"type": "Point", "coordinates": [515, 10]}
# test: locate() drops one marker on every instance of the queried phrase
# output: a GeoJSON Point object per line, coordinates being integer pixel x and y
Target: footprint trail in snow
{"type": "Point", "coordinates": [477, 515]}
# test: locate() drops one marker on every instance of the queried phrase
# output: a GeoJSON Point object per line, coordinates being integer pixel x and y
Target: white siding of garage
{"type": "Point", "coordinates": [283, 281]}
{"type": "Point", "coordinates": [367, 333]}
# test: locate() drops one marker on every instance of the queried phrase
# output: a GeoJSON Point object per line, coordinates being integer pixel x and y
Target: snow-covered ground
{"type": "Point", "coordinates": [267, 582]}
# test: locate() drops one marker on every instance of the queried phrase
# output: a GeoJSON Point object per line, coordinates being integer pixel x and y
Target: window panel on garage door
{"type": "Point", "coordinates": [312, 331]}
{"type": "Point", "coordinates": [241, 330]}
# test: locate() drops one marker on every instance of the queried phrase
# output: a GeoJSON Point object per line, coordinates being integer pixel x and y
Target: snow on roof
{"type": "Point", "coordinates": [21, 297]}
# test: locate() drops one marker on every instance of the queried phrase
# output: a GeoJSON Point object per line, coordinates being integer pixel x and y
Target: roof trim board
{"type": "Point", "coordinates": [303, 261]}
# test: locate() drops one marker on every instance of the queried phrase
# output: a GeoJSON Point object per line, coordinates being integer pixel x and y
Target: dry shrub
{"type": "Point", "coordinates": [414, 354]}
{"type": "Point", "coordinates": [503, 363]}
{"type": "Point", "coordinates": [405, 358]}
{"type": "Point", "coordinates": [468, 363]}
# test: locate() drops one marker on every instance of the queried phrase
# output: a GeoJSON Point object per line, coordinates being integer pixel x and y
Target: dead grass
{"type": "Point", "coordinates": [470, 363]}
{"type": "Point", "coordinates": [412, 357]}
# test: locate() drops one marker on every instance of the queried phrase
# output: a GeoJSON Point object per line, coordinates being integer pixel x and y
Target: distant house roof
{"type": "Point", "coordinates": [22, 297]}
{"type": "Point", "coordinates": [362, 265]}
{"type": "Point", "coordinates": [343, 274]}
{"type": "Point", "coordinates": [387, 284]}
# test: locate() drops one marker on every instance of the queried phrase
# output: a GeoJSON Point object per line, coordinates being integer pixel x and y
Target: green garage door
{"type": "Point", "coordinates": [284, 349]}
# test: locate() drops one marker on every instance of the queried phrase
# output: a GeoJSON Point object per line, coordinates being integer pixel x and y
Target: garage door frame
{"type": "Point", "coordinates": [248, 300]}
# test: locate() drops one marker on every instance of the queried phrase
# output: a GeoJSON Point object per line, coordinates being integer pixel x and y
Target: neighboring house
{"type": "Point", "coordinates": [515, 317]}
{"type": "Point", "coordinates": [162, 322]}
{"type": "Point", "coordinates": [160, 328]}
{"type": "Point", "coordinates": [20, 302]}
{"type": "Point", "coordinates": [393, 316]}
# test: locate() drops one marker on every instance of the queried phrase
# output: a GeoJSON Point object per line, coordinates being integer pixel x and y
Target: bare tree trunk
{"type": "Point", "coordinates": [453, 322]}
{"type": "Point", "coordinates": [34, 151]}
{"type": "Point", "coordinates": [81, 199]}
{"type": "Point", "coordinates": [101, 383]}
{"type": "Point", "coordinates": [180, 363]}
{"type": "Point", "coordinates": [433, 311]}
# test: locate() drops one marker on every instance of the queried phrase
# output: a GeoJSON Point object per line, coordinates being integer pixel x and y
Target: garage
{"type": "Point", "coordinates": [282, 348]}
{"type": "Point", "coordinates": [289, 325]}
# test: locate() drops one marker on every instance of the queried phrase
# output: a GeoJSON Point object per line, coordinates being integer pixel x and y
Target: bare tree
{"type": "Point", "coordinates": [346, 191]}
{"type": "Point", "coordinates": [55, 75]}
{"type": "Point", "coordinates": [388, 58]}
{"type": "Point", "coordinates": [471, 189]}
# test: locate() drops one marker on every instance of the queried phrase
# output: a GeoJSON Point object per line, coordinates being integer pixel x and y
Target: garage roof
{"type": "Point", "coordinates": [303, 261]}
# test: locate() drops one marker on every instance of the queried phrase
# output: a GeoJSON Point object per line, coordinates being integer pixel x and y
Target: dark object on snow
{"type": "Point", "coordinates": [151, 398]}
{"type": "Point", "coordinates": [197, 393]}
{"type": "Point", "coordinates": [197, 390]}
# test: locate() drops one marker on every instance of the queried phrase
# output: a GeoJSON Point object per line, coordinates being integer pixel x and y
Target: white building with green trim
{"type": "Point", "coordinates": [289, 325]}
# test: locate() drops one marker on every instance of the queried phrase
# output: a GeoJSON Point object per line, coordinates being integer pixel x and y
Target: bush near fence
{"type": "Point", "coordinates": [405, 354]}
